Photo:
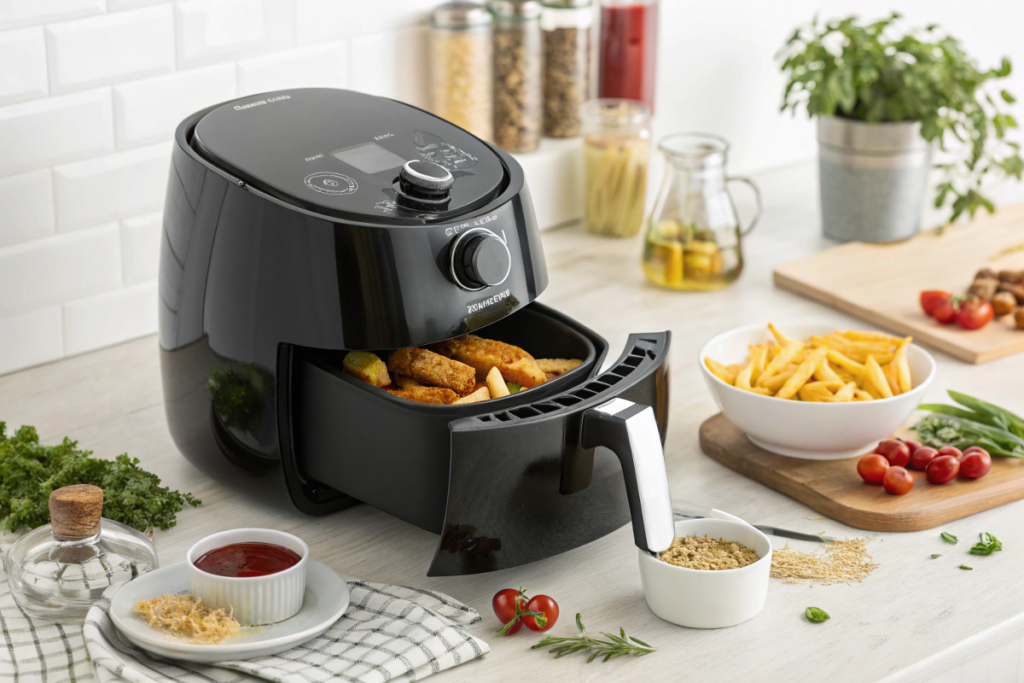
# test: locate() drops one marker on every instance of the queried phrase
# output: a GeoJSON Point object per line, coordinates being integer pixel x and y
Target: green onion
{"type": "Point", "coordinates": [948, 537]}
{"type": "Point", "coordinates": [816, 615]}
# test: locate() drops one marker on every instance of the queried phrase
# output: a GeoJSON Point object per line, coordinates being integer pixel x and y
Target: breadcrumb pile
{"type": "Point", "coordinates": [712, 554]}
{"type": "Point", "coordinates": [843, 562]}
{"type": "Point", "coordinates": [186, 618]}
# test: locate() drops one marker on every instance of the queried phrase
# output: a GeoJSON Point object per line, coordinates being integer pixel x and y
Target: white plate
{"type": "Point", "coordinates": [325, 601]}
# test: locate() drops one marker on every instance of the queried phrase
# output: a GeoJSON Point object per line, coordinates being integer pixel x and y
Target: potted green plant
{"type": "Point", "coordinates": [885, 98]}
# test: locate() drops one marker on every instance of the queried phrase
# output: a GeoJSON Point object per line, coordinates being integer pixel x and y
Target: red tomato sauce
{"type": "Point", "coordinates": [248, 559]}
{"type": "Point", "coordinates": [629, 43]}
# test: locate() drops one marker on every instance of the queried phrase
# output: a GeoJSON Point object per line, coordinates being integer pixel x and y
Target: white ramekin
{"type": "Point", "coordinates": [709, 599]}
{"type": "Point", "coordinates": [253, 600]}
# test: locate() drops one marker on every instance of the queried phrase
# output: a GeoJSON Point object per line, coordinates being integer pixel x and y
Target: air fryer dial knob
{"type": "Point", "coordinates": [480, 259]}
{"type": "Point", "coordinates": [425, 179]}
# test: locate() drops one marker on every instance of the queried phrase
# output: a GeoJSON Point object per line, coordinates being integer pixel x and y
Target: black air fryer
{"type": "Point", "coordinates": [302, 224]}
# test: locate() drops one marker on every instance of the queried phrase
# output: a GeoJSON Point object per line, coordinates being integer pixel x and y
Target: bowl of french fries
{"type": "Point", "coordinates": [816, 394]}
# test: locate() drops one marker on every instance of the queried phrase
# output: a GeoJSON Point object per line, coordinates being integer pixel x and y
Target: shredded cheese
{"type": "Point", "coordinates": [187, 618]}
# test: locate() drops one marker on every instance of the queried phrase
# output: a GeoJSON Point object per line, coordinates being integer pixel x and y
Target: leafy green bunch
{"type": "Point", "coordinates": [879, 72]}
{"type": "Point", "coordinates": [29, 472]}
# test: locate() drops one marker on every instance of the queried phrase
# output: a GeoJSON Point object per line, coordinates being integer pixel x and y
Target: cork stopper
{"type": "Point", "coordinates": [75, 511]}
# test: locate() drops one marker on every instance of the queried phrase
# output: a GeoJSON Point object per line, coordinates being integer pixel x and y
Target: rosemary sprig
{"type": "Point", "coordinates": [610, 647]}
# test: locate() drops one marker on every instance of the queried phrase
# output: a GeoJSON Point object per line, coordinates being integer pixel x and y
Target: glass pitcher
{"type": "Point", "coordinates": [694, 233]}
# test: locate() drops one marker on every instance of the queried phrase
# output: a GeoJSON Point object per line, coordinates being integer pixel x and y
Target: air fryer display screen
{"type": "Point", "coordinates": [369, 158]}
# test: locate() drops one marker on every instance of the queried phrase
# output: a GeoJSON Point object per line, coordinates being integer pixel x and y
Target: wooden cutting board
{"type": "Point", "coordinates": [880, 283]}
{"type": "Point", "coordinates": [833, 487]}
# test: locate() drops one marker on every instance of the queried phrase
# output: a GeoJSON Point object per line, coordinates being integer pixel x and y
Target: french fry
{"type": "Point", "coordinates": [760, 361]}
{"type": "Point", "coordinates": [815, 392]}
{"type": "Point", "coordinates": [861, 395]}
{"type": "Point", "coordinates": [856, 335]}
{"type": "Point", "coordinates": [720, 371]}
{"type": "Point", "coordinates": [775, 382]}
{"type": "Point", "coordinates": [889, 370]}
{"type": "Point", "coordinates": [825, 373]}
{"type": "Point", "coordinates": [802, 374]}
{"type": "Point", "coordinates": [743, 377]}
{"type": "Point", "coordinates": [877, 377]}
{"type": "Point", "coordinates": [481, 394]}
{"type": "Point", "coordinates": [902, 367]}
{"type": "Point", "coordinates": [496, 385]}
{"type": "Point", "coordinates": [846, 393]}
{"type": "Point", "coordinates": [844, 375]}
{"type": "Point", "coordinates": [779, 337]}
{"type": "Point", "coordinates": [787, 354]}
{"type": "Point", "coordinates": [734, 369]}
{"type": "Point", "coordinates": [848, 364]}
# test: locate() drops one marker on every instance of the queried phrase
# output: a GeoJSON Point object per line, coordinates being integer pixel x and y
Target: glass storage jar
{"type": "Point", "coordinates": [461, 69]}
{"type": "Point", "coordinates": [567, 27]}
{"type": "Point", "coordinates": [59, 570]}
{"type": "Point", "coordinates": [693, 237]}
{"type": "Point", "coordinates": [616, 146]}
{"type": "Point", "coordinates": [518, 74]}
{"type": "Point", "coordinates": [629, 47]}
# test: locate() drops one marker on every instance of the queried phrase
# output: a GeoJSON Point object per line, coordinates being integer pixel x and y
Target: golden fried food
{"type": "Point", "coordinates": [432, 395]}
{"type": "Point", "coordinates": [434, 369]}
{"type": "Point", "coordinates": [404, 382]}
{"type": "Point", "coordinates": [481, 394]}
{"type": "Point", "coordinates": [496, 384]}
{"type": "Point", "coordinates": [833, 368]}
{"type": "Point", "coordinates": [367, 367]}
{"type": "Point", "coordinates": [557, 366]}
{"type": "Point", "coordinates": [514, 364]}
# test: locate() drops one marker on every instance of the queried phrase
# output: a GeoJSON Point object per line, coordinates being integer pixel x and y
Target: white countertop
{"type": "Point", "coordinates": [912, 612]}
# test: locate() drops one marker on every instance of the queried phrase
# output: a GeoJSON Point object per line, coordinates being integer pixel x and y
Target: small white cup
{"type": "Point", "coordinates": [253, 600]}
{"type": "Point", "coordinates": [698, 598]}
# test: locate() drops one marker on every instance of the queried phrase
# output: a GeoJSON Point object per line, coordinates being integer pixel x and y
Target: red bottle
{"type": "Point", "coordinates": [629, 46]}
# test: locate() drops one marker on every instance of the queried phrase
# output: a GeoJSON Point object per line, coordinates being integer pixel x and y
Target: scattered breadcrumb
{"type": "Point", "coordinates": [842, 562]}
{"type": "Point", "coordinates": [188, 619]}
{"type": "Point", "coordinates": [712, 554]}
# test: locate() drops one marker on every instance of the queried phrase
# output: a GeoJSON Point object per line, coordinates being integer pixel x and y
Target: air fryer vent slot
{"type": "Point", "coordinates": [546, 407]}
{"type": "Point", "coordinates": [525, 411]}
{"type": "Point", "coordinates": [504, 417]}
{"type": "Point", "coordinates": [567, 401]}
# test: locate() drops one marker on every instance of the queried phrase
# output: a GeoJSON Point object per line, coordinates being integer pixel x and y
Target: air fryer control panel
{"type": "Point", "coordinates": [356, 157]}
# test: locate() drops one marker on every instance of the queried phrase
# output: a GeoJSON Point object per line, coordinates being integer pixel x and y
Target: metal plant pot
{"type": "Point", "coordinates": [873, 178]}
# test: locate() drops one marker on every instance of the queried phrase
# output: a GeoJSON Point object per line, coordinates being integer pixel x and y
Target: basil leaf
{"type": "Point", "coordinates": [816, 615]}
{"type": "Point", "coordinates": [949, 538]}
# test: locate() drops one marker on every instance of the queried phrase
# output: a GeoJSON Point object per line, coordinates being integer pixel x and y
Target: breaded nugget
{"type": "Point", "coordinates": [432, 395]}
{"type": "Point", "coordinates": [481, 394]}
{"type": "Point", "coordinates": [558, 366]}
{"type": "Point", "coordinates": [367, 367]}
{"type": "Point", "coordinates": [514, 364]}
{"type": "Point", "coordinates": [404, 382]}
{"type": "Point", "coordinates": [433, 369]}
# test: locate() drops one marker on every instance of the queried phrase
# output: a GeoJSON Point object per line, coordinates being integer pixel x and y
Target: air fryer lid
{"type": "Point", "coordinates": [340, 153]}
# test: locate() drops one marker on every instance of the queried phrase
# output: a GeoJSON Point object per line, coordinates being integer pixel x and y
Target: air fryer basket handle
{"type": "Point", "coordinates": [630, 431]}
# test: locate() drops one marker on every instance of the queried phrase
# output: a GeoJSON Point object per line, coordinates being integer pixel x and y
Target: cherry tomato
{"type": "Point", "coordinates": [897, 481]}
{"type": "Point", "coordinates": [930, 300]}
{"type": "Point", "coordinates": [975, 464]}
{"type": "Point", "coordinates": [942, 469]}
{"type": "Point", "coordinates": [896, 452]}
{"type": "Point", "coordinates": [872, 468]}
{"type": "Point", "coordinates": [504, 604]}
{"type": "Point", "coordinates": [951, 450]}
{"type": "Point", "coordinates": [922, 456]}
{"type": "Point", "coordinates": [945, 312]}
{"type": "Point", "coordinates": [912, 445]}
{"type": "Point", "coordinates": [546, 606]}
{"type": "Point", "coordinates": [972, 449]}
{"type": "Point", "coordinates": [975, 314]}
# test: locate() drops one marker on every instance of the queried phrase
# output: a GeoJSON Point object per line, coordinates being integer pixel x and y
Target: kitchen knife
{"type": "Point", "coordinates": [773, 531]}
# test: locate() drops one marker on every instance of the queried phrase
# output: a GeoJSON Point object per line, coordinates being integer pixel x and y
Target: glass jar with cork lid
{"type": "Point", "coordinates": [567, 26]}
{"type": "Point", "coordinates": [59, 570]}
{"type": "Point", "coordinates": [518, 74]}
{"type": "Point", "coordinates": [461, 66]}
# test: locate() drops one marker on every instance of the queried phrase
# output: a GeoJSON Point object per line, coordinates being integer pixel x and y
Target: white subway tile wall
{"type": "Point", "coordinates": [90, 94]}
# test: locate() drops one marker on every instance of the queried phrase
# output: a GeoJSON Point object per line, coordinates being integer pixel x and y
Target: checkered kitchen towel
{"type": "Point", "coordinates": [389, 633]}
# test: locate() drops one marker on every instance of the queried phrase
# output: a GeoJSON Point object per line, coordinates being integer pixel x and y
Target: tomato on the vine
{"type": "Point", "coordinates": [930, 300]}
{"type": "Point", "coordinates": [547, 607]}
{"type": "Point", "coordinates": [507, 605]}
{"type": "Point", "coordinates": [975, 314]}
{"type": "Point", "coordinates": [946, 312]}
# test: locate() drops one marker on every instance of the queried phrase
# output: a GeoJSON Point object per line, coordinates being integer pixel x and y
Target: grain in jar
{"type": "Point", "coordinates": [518, 74]}
{"type": "Point", "coordinates": [567, 26]}
{"type": "Point", "coordinates": [461, 69]}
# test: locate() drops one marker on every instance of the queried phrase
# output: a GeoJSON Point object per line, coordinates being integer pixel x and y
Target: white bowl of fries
{"type": "Point", "coordinates": [809, 393]}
